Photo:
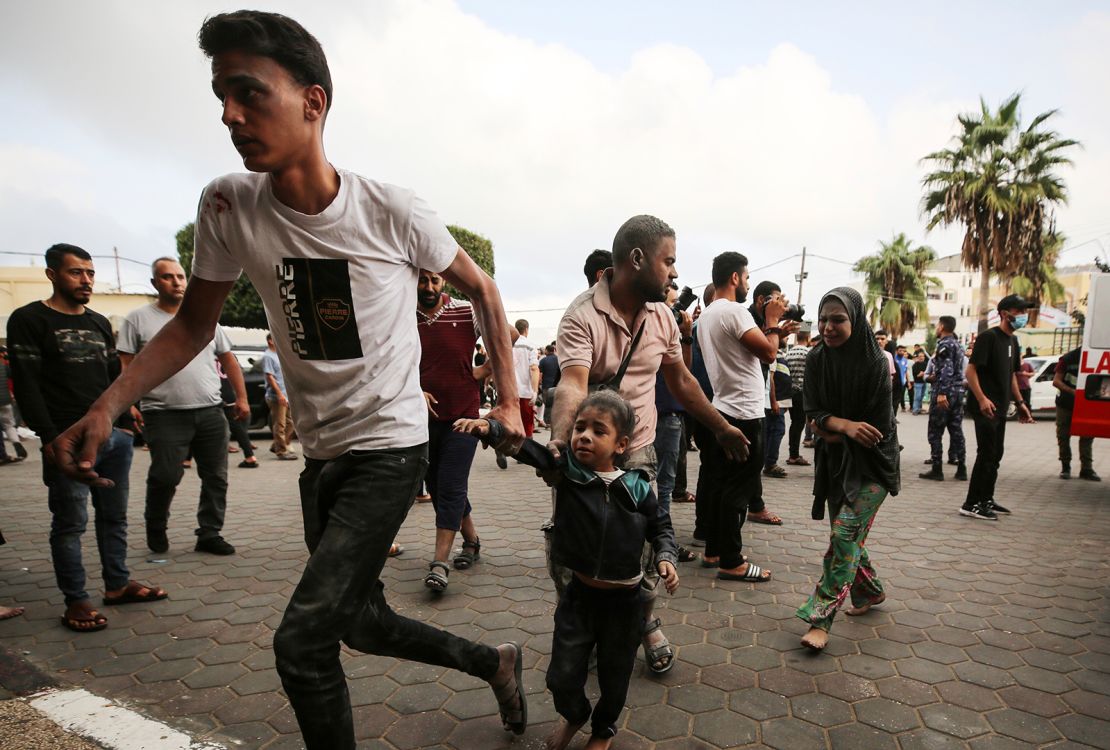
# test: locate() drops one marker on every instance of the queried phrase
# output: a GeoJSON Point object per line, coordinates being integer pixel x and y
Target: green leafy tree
{"type": "Point", "coordinates": [896, 283]}
{"type": "Point", "coordinates": [479, 248]}
{"type": "Point", "coordinates": [1000, 183]}
{"type": "Point", "coordinates": [243, 306]}
{"type": "Point", "coordinates": [1042, 285]}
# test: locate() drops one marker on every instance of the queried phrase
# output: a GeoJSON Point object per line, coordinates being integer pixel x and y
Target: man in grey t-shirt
{"type": "Point", "coordinates": [184, 414]}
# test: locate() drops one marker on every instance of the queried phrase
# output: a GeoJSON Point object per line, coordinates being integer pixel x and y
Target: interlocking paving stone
{"type": "Point", "coordinates": [970, 650]}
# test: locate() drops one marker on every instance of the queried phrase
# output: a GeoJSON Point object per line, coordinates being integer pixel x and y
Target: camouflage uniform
{"type": "Point", "coordinates": [948, 368]}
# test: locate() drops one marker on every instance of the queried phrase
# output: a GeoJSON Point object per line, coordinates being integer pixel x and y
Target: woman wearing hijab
{"type": "Point", "coordinates": [847, 400]}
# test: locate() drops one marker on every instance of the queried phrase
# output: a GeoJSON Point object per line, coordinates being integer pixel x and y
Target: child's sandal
{"type": "Point", "coordinates": [471, 553]}
{"type": "Point", "coordinates": [436, 580]}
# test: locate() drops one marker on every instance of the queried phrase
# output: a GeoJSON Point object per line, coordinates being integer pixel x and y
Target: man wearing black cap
{"type": "Point", "coordinates": [991, 379]}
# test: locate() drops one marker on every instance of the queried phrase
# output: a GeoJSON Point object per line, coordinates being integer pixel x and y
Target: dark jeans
{"type": "Point", "coordinates": [70, 515]}
{"type": "Point", "coordinates": [732, 486]}
{"type": "Point", "coordinates": [239, 432]}
{"type": "Point", "coordinates": [679, 490]}
{"type": "Point", "coordinates": [173, 436]}
{"type": "Point", "coordinates": [774, 427]}
{"type": "Point", "coordinates": [450, 455]}
{"type": "Point", "coordinates": [353, 506]}
{"type": "Point", "coordinates": [611, 620]}
{"type": "Point", "coordinates": [703, 438]}
{"type": "Point", "coordinates": [990, 438]}
{"type": "Point", "coordinates": [797, 426]}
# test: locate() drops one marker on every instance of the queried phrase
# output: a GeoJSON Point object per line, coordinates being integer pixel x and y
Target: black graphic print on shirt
{"type": "Point", "coordinates": [81, 346]}
{"type": "Point", "coordinates": [319, 314]}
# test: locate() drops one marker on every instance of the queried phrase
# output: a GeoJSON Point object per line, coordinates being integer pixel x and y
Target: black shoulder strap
{"type": "Point", "coordinates": [615, 381]}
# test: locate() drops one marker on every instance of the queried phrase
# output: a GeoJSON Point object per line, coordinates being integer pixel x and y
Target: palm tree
{"type": "Point", "coordinates": [999, 182]}
{"type": "Point", "coordinates": [896, 282]}
{"type": "Point", "coordinates": [1042, 284]}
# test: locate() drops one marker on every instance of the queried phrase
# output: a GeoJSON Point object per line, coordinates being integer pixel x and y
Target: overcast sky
{"type": "Point", "coordinates": [544, 126]}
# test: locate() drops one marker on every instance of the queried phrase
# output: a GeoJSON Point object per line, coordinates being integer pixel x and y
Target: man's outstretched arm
{"type": "Point", "coordinates": [179, 341]}
{"type": "Point", "coordinates": [476, 284]}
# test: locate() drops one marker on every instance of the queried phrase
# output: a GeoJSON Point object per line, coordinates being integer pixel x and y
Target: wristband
{"type": "Point", "coordinates": [772, 329]}
{"type": "Point", "coordinates": [686, 340]}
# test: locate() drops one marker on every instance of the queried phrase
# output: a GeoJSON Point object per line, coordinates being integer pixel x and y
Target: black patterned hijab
{"type": "Point", "coordinates": [853, 382]}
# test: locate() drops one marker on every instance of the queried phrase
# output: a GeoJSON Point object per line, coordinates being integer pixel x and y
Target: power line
{"type": "Point", "coordinates": [108, 257]}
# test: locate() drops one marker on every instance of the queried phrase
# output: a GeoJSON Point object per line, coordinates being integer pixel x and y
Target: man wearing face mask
{"type": "Point", "coordinates": [992, 380]}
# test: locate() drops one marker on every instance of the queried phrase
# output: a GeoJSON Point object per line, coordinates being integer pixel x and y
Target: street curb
{"type": "Point", "coordinates": [19, 676]}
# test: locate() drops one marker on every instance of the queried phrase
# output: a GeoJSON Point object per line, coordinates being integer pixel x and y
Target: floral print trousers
{"type": "Point", "coordinates": [847, 569]}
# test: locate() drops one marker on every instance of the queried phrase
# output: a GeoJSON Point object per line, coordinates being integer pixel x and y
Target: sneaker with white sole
{"type": "Point", "coordinates": [1000, 508]}
{"type": "Point", "coordinates": [978, 511]}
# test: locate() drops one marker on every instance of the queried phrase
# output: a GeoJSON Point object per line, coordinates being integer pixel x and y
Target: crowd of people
{"type": "Point", "coordinates": [632, 383]}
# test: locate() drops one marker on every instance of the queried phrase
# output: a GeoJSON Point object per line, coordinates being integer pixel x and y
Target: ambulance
{"type": "Point", "coordinates": [1091, 417]}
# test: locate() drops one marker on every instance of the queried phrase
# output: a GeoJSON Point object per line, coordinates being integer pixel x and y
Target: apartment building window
{"type": "Point", "coordinates": [949, 296]}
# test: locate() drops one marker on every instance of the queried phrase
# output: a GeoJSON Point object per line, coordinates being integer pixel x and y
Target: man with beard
{"type": "Point", "coordinates": [448, 333]}
{"type": "Point", "coordinates": [624, 316]}
{"type": "Point", "coordinates": [63, 358]}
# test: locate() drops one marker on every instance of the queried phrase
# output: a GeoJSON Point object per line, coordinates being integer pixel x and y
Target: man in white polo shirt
{"type": "Point", "coordinates": [335, 258]}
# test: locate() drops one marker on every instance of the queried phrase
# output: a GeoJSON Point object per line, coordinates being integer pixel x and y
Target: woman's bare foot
{"type": "Point", "coordinates": [857, 611]}
{"type": "Point", "coordinates": [6, 613]}
{"type": "Point", "coordinates": [562, 736]}
{"type": "Point", "coordinates": [599, 743]}
{"type": "Point", "coordinates": [816, 639]}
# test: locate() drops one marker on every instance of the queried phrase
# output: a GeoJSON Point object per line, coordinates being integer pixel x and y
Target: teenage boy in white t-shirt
{"type": "Point", "coordinates": [733, 346]}
{"type": "Point", "coordinates": [335, 258]}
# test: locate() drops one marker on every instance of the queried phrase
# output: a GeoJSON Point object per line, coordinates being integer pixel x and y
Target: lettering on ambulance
{"type": "Point", "coordinates": [318, 307]}
{"type": "Point", "coordinates": [1103, 364]}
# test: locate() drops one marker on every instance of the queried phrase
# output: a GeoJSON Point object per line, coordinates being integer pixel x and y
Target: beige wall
{"type": "Point", "coordinates": [22, 285]}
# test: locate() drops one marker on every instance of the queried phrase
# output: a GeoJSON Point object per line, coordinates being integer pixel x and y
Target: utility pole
{"type": "Point", "coordinates": [801, 277]}
{"type": "Point", "coordinates": [119, 282]}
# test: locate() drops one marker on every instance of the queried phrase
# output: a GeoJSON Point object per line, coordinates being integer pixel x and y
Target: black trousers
{"type": "Point", "coordinates": [732, 488]}
{"type": "Point", "coordinates": [611, 620]}
{"type": "Point", "coordinates": [797, 426]}
{"type": "Point", "coordinates": [990, 438]}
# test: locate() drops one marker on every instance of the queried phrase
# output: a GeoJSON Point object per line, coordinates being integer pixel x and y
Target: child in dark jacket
{"type": "Point", "coordinates": [602, 517]}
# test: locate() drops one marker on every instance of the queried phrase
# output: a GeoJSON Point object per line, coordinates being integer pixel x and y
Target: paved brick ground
{"type": "Point", "coordinates": [995, 635]}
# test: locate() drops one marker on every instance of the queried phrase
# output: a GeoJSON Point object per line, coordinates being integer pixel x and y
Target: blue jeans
{"type": "Point", "coordinates": [353, 506]}
{"type": "Point", "coordinates": [668, 438]}
{"type": "Point", "coordinates": [918, 396]}
{"type": "Point", "coordinates": [774, 427]}
{"type": "Point", "coordinates": [67, 499]}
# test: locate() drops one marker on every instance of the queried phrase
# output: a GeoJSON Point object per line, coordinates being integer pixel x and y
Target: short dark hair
{"type": "Point", "coordinates": [596, 261]}
{"type": "Point", "coordinates": [549, 349]}
{"type": "Point", "coordinates": [948, 323]}
{"type": "Point", "coordinates": [726, 264]}
{"type": "Point", "coordinates": [271, 35]}
{"type": "Point", "coordinates": [765, 289]}
{"type": "Point", "coordinates": [55, 253]}
{"type": "Point", "coordinates": [521, 325]}
{"type": "Point", "coordinates": [610, 402]}
{"type": "Point", "coordinates": [642, 232]}
{"type": "Point", "coordinates": [881, 332]}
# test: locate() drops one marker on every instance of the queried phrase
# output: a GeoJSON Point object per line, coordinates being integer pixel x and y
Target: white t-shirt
{"type": "Point", "coordinates": [196, 386]}
{"type": "Point", "coordinates": [524, 358]}
{"type": "Point", "coordinates": [339, 288]}
{"type": "Point", "coordinates": [734, 372]}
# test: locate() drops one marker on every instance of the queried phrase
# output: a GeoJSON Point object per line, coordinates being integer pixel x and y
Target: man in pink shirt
{"type": "Point", "coordinates": [596, 333]}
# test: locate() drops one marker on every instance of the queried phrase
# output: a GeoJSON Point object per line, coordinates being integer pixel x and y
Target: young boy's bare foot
{"type": "Point", "coordinates": [816, 639]}
{"type": "Point", "coordinates": [599, 743]}
{"type": "Point", "coordinates": [857, 611]}
{"type": "Point", "coordinates": [509, 690]}
{"type": "Point", "coordinates": [6, 613]}
{"type": "Point", "coordinates": [562, 736]}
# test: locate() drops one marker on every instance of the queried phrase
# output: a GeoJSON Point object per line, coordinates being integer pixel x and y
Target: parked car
{"type": "Point", "coordinates": [250, 361]}
{"type": "Point", "coordinates": [1042, 398]}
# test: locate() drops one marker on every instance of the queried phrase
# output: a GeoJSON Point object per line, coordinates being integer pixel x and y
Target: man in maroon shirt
{"type": "Point", "coordinates": [448, 331]}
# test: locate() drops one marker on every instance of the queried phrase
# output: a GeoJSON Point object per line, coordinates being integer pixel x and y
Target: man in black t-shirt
{"type": "Point", "coordinates": [992, 381]}
{"type": "Point", "coordinates": [1067, 375]}
{"type": "Point", "coordinates": [63, 358]}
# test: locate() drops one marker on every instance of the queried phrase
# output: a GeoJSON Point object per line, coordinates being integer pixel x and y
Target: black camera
{"type": "Point", "coordinates": [685, 297]}
{"type": "Point", "coordinates": [794, 312]}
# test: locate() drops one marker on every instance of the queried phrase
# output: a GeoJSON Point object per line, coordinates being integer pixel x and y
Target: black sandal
{"type": "Point", "coordinates": [435, 580]}
{"type": "Point", "coordinates": [470, 554]}
{"type": "Point", "coordinates": [662, 652]}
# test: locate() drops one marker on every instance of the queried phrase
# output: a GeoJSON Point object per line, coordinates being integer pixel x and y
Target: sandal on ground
{"type": "Point", "coordinates": [232, 449]}
{"type": "Point", "coordinates": [424, 498]}
{"type": "Point", "coordinates": [686, 555]}
{"type": "Point", "coordinates": [89, 621]}
{"type": "Point", "coordinates": [857, 611]}
{"type": "Point", "coordinates": [766, 517]}
{"type": "Point", "coordinates": [248, 464]}
{"type": "Point", "coordinates": [797, 461]}
{"type": "Point", "coordinates": [470, 554]}
{"type": "Point", "coordinates": [659, 657]}
{"type": "Point", "coordinates": [775, 471]}
{"type": "Point", "coordinates": [689, 497]}
{"type": "Point", "coordinates": [753, 574]}
{"type": "Point", "coordinates": [514, 718]}
{"type": "Point", "coordinates": [136, 593]}
{"type": "Point", "coordinates": [395, 549]}
{"type": "Point", "coordinates": [436, 580]}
